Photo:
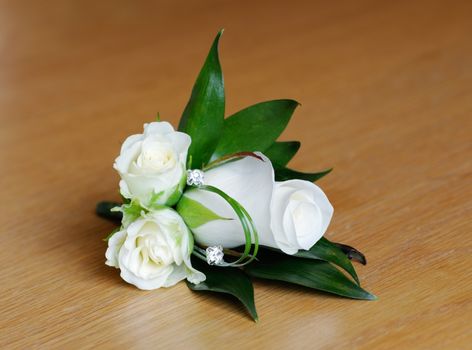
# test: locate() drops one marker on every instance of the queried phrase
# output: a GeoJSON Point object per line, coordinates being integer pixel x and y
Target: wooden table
{"type": "Point", "coordinates": [386, 100]}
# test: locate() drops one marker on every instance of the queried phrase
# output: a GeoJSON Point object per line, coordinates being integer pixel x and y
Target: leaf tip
{"type": "Point", "coordinates": [370, 296]}
{"type": "Point", "coordinates": [218, 36]}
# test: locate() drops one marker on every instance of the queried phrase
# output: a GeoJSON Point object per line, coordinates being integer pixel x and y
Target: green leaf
{"type": "Point", "coordinates": [255, 128]}
{"type": "Point", "coordinates": [196, 214]}
{"type": "Point", "coordinates": [283, 174]}
{"type": "Point", "coordinates": [280, 153]}
{"type": "Point", "coordinates": [327, 251]}
{"type": "Point", "coordinates": [228, 280]}
{"type": "Point", "coordinates": [352, 253]}
{"type": "Point", "coordinates": [203, 116]}
{"type": "Point", "coordinates": [314, 274]}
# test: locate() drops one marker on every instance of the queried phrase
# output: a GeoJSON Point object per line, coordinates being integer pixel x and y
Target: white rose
{"type": "Point", "coordinates": [300, 215]}
{"type": "Point", "coordinates": [152, 165]}
{"type": "Point", "coordinates": [154, 251]}
{"type": "Point", "coordinates": [249, 181]}
{"type": "Point", "coordinates": [288, 215]}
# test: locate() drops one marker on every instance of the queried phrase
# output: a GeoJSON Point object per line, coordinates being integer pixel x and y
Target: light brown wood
{"type": "Point", "coordinates": [386, 100]}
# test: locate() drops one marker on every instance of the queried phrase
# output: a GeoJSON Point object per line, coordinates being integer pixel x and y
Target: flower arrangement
{"type": "Point", "coordinates": [215, 204]}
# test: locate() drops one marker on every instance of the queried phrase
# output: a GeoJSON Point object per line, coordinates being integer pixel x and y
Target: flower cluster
{"type": "Point", "coordinates": [216, 204]}
{"type": "Point", "coordinates": [153, 247]}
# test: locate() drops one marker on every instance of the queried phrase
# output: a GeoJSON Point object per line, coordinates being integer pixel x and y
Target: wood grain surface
{"type": "Point", "coordinates": [386, 93]}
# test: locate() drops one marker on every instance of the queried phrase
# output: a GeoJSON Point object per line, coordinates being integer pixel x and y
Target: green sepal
{"type": "Point", "coordinates": [316, 274]}
{"type": "Point", "coordinates": [280, 153]}
{"type": "Point", "coordinates": [131, 211]}
{"type": "Point", "coordinates": [203, 116]}
{"type": "Point", "coordinates": [283, 174]}
{"type": "Point", "coordinates": [228, 280]}
{"type": "Point", "coordinates": [154, 200]}
{"type": "Point", "coordinates": [255, 128]}
{"type": "Point", "coordinates": [327, 251]}
{"type": "Point", "coordinates": [196, 214]}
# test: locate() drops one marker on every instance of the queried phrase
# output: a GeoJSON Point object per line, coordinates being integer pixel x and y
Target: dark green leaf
{"type": "Point", "coordinates": [204, 114]}
{"type": "Point", "coordinates": [314, 274]}
{"type": "Point", "coordinates": [280, 153]}
{"type": "Point", "coordinates": [228, 280]}
{"type": "Point", "coordinates": [283, 174]}
{"type": "Point", "coordinates": [327, 251]}
{"type": "Point", "coordinates": [103, 210]}
{"type": "Point", "coordinates": [352, 253]}
{"type": "Point", "coordinates": [254, 128]}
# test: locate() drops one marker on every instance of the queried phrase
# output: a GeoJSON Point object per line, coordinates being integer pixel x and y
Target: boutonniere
{"type": "Point", "coordinates": [214, 203]}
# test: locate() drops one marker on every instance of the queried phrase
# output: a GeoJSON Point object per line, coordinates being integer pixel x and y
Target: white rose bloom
{"type": "Point", "coordinates": [152, 165]}
{"type": "Point", "coordinates": [154, 251]}
{"type": "Point", "coordinates": [300, 215]}
{"type": "Point", "coordinates": [288, 215]}
{"type": "Point", "coordinates": [249, 181]}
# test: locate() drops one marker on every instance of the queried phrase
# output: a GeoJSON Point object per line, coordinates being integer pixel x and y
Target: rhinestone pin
{"type": "Point", "coordinates": [214, 255]}
{"type": "Point", "coordinates": [195, 177]}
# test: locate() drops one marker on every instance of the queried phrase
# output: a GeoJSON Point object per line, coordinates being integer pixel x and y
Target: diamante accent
{"type": "Point", "coordinates": [214, 255]}
{"type": "Point", "coordinates": [195, 177]}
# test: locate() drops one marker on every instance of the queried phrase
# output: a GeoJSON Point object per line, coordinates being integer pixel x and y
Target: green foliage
{"type": "Point", "coordinates": [327, 251]}
{"type": "Point", "coordinates": [194, 213]}
{"type": "Point", "coordinates": [131, 212]}
{"type": "Point", "coordinates": [228, 280]}
{"type": "Point", "coordinates": [203, 116]}
{"type": "Point", "coordinates": [316, 274]}
{"type": "Point", "coordinates": [280, 153]}
{"type": "Point", "coordinates": [255, 128]}
{"type": "Point", "coordinates": [284, 174]}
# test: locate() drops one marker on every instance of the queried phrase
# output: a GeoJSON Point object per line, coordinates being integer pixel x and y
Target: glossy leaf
{"type": "Point", "coordinates": [280, 153]}
{"type": "Point", "coordinates": [255, 128]}
{"type": "Point", "coordinates": [327, 251]}
{"type": "Point", "coordinates": [315, 274]}
{"type": "Point", "coordinates": [203, 116]}
{"type": "Point", "coordinates": [283, 174]}
{"type": "Point", "coordinates": [228, 280]}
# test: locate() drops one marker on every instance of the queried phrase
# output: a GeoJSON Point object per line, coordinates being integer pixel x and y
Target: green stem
{"type": "Point", "coordinates": [230, 158]}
